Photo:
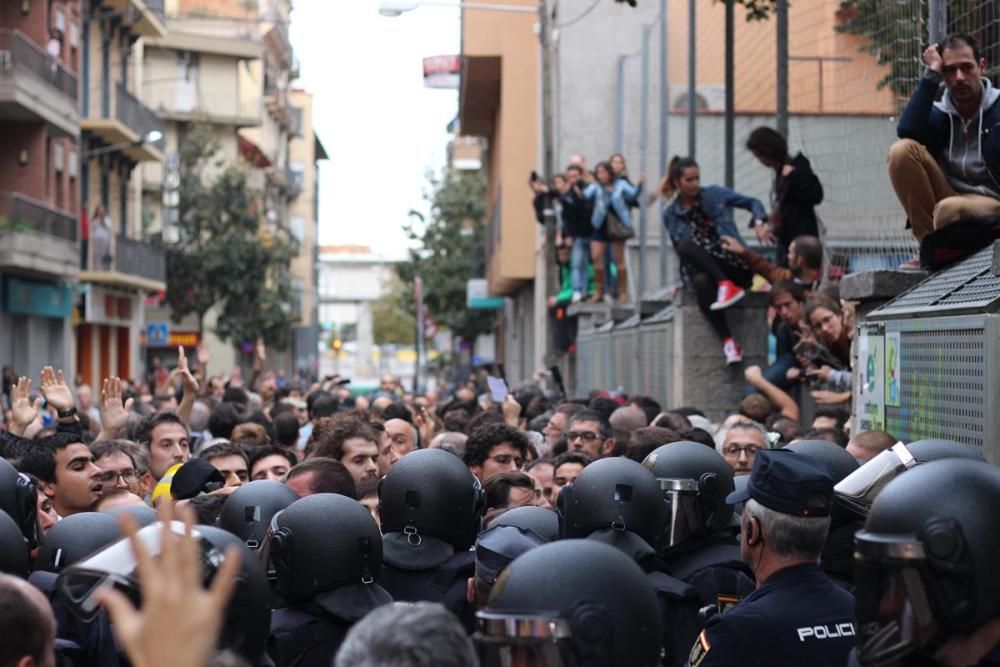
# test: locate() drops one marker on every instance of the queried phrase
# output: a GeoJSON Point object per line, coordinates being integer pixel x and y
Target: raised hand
{"type": "Point", "coordinates": [730, 244]}
{"type": "Point", "coordinates": [203, 353]}
{"type": "Point", "coordinates": [764, 234]}
{"type": "Point", "coordinates": [189, 381]}
{"type": "Point", "coordinates": [932, 58]}
{"type": "Point", "coordinates": [180, 621]}
{"type": "Point", "coordinates": [55, 390]}
{"type": "Point", "coordinates": [114, 414]}
{"type": "Point", "coordinates": [23, 410]}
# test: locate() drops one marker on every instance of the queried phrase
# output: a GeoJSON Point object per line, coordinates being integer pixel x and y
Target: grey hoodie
{"type": "Point", "coordinates": [963, 161]}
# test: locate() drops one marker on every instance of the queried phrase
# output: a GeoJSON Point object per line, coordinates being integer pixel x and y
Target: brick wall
{"type": "Point", "coordinates": [41, 17]}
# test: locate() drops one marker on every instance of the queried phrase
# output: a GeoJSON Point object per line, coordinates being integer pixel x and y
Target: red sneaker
{"type": "Point", "coordinates": [729, 294]}
{"type": "Point", "coordinates": [733, 351]}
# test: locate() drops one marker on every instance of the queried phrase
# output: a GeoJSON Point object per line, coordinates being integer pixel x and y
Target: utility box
{"type": "Point", "coordinates": [928, 363]}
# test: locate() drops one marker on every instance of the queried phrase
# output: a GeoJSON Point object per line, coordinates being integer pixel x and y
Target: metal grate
{"type": "Point", "coordinates": [656, 338]}
{"type": "Point", "coordinates": [943, 386]}
{"type": "Point", "coordinates": [967, 285]}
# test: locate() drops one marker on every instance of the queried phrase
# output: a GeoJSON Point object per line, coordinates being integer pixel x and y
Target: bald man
{"type": "Point", "coordinates": [27, 624]}
{"type": "Point", "coordinates": [624, 422]}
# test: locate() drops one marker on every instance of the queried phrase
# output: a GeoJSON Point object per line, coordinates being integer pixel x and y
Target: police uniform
{"type": "Point", "coordinates": [305, 636]}
{"type": "Point", "coordinates": [798, 616]}
{"type": "Point", "coordinates": [407, 580]}
{"type": "Point", "coordinates": [713, 567]}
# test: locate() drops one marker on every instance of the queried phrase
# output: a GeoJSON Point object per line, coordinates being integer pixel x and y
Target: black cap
{"type": "Point", "coordinates": [789, 483]}
{"type": "Point", "coordinates": [497, 546]}
{"type": "Point", "coordinates": [195, 477]}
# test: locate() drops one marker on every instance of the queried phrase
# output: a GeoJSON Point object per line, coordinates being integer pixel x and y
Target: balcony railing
{"type": "Point", "coordinates": [16, 50]}
{"type": "Point", "coordinates": [135, 114]}
{"type": "Point", "coordinates": [20, 213]}
{"type": "Point", "coordinates": [138, 258]}
{"type": "Point", "coordinates": [157, 8]}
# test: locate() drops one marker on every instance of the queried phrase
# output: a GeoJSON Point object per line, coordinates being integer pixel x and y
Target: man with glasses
{"type": "Point", "coordinates": [117, 464]}
{"type": "Point", "coordinates": [743, 440]}
{"type": "Point", "coordinates": [590, 433]}
{"type": "Point", "coordinates": [494, 449]}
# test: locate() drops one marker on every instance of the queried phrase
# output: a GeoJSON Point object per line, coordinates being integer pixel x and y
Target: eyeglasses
{"type": "Point", "coordinates": [505, 459]}
{"type": "Point", "coordinates": [586, 436]}
{"type": "Point", "coordinates": [111, 476]}
{"type": "Point", "coordinates": [735, 450]}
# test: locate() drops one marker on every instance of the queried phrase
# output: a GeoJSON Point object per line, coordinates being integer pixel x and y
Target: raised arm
{"type": "Point", "coordinates": [788, 407]}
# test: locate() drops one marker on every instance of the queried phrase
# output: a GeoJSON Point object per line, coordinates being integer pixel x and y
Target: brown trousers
{"type": "Point", "coordinates": [925, 193]}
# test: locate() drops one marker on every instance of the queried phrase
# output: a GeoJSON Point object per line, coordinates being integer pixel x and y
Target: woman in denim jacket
{"type": "Point", "coordinates": [697, 218]}
{"type": "Point", "coordinates": [608, 196]}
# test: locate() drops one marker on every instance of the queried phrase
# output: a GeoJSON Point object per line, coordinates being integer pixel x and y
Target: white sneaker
{"type": "Point", "coordinates": [733, 352]}
{"type": "Point", "coordinates": [577, 298]}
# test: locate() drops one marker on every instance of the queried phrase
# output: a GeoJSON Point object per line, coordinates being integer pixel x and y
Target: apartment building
{"type": "Point", "coordinates": [40, 57]}
{"type": "Point", "coordinates": [117, 133]}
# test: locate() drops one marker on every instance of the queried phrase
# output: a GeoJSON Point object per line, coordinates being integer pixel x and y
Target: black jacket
{"type": "Point", "coordinates": [796, 195]}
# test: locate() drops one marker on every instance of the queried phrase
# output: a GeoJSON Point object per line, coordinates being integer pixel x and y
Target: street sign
{"type": "Point", "coordinates": [157, 334]}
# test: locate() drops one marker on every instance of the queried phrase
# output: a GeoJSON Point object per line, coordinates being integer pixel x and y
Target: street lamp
{"type": "Point", "coordinates": [150, 137]}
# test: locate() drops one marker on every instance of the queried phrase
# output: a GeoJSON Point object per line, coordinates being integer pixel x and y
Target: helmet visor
{"type": "Point", "coordinates": [859, 489]}
{"type": "Point", "coordinates": [115, 566]}
{"type": "Point", "coordinates": [683, 514]}
{"type": "Point", "coordinates": [530, 640]}
{"type": "Point", "coordinates": [892, 602]}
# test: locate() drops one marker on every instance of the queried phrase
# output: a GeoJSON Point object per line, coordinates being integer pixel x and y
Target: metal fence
{"type": "Point", "coordinates": [138, 258]}
{"type": "Point", "coordinates": [20, 213]}
{"type": "Point", "coordinates": [17, 50]}
{"type": "Point", "coordinates": [135, 114]}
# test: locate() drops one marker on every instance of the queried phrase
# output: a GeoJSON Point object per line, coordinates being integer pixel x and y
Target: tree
{"type": "Point", "coordinates": [390, 323]}
{"type": "Point", "coordinates": [224, 258]}
{"type": "Point", "coordinates": [450, 252]}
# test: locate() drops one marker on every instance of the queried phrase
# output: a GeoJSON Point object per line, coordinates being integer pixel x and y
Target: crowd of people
{"type": "Point", "coordinates": [233, 523]}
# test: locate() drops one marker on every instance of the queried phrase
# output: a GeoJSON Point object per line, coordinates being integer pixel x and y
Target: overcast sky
{"type": "Point", "coordinates": [381, 128]}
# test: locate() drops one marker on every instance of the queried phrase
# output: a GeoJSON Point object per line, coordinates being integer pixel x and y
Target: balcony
{"type": "Point", "coordinates": [220, 109]}
{"type": "Point", "coordinates": [127, 123]}
{"type": "Point", "coordinates": [116, 260]}
{"type": "Point", "coordinates": [33, 88]}
{"type": "Point", "coordinates": [146, 16]}
{"type": "Point", "coordinates": [37, 238]}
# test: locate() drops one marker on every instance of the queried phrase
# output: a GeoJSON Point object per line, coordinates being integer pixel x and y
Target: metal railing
{"type": "Point", "coordinates": [17, 50]}
{"type": "Point", "coordinates": [138, 258]}
{"type": "Point", "coordinates": [135, 114]}
{"type": "Point", "coordinates": [21, 213]}
{"type": "Point", "coordinates": [157, 8]}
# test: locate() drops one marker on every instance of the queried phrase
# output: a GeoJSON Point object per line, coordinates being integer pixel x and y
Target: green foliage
{"type": "Point", "coordinates": [450, 251]}
{"type": "Point", "coordinates": [757, 10]}
{"type": "Point", "coordinates": [897, 35]}
{"type": "Point", "coordinates": [223, 258]}
{"type": "Point", "coordinates": [390, 323]}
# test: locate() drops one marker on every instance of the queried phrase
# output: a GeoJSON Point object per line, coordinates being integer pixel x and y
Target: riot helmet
{"type": "Point", "coordinates": [613, 493]}
{"type": "Point", "coordinates": [14, 558]}
{"type": "Point", "coordinates": [248, 618]}
{"type": "Point", "coordinates": [18, 499]}
{"type": "Point", "coordinates": [540, 521]}
{"type": "Point", "coordinates": [430, 505]}
{"type": "Point", "coordinates": [249, 509]}
{"type": "Point", "coordinates": [925, 561]}
{"type": "Point", "coordinates": [594, 608]}
{"type": "Point", "coordinates": [75, 537]}
{"type": "Point", "coordinates": [859, 489]}
{"type": "Point", "coordinates": [143, 514]}
{"type": "Point", "coordinates": [834, 457]}
{"type": "Point", "coordinates": [326, 548]}
{"type": "Point", "coordinates": [695, 481]}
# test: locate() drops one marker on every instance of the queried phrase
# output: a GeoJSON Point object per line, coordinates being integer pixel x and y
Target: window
{"type": "Point", "coordinates": [298, 226]}
{"type": "Point", "coordinates": [59, 21]}
{"type": "Point", "coordinates": [73, 164]}
{"type": "Point", "coordinates": [58, 156]}
{"type": "Point", "coordinates": [74, 35]}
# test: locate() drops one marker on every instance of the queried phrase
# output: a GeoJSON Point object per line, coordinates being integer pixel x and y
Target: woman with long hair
{"type": "Point", "coordinates": [609, 196]}
{"type": "Point", "coordinates": [697, 218]}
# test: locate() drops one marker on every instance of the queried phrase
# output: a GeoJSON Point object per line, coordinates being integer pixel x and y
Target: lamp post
{"type": "Point", "coordinates": [394, 8]}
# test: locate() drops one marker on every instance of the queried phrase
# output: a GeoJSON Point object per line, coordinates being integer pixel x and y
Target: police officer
{"type": "Point", "coordinates": [542, 522]}
{"type": "Point", "coordinates": [249, 509]}
{"type": "Point", "coordinates": [838, 554]}
{"type": "Point", "coordinates": [496, 547]}
{"type": "Point", "coordinates": [431, 507]}
{"type": "Point", "coordinates": [618, 502]}
{"type": "Point", "coordinates": [927, 590]}
{"type": "Point", "coordinates": [326, 552]}
{"type": "Point", "coordinates": [13, 548]}
{"type": "Point", "coordinates": [18, 497]}
{"type": "Point", "coordinates": [797, 616]}
{"type": "Point", "coordinates": [571, 602]}
{"type": "Point", "coordinates": [858, 490]}
{"type": "Point", "coordinates": [700, 544]}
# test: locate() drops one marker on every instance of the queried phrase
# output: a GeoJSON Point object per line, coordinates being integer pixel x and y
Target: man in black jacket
{"type": "Point", "coordinates": [946, 164]}
{"type": "Point", "coordinates": [795, 193]}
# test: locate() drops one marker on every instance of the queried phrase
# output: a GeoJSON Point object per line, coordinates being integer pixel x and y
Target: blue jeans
{"type": "Point", "coordinates": [579, 261]}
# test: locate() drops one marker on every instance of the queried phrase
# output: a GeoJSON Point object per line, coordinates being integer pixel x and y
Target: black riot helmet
{"type": "Point", "coordinates": [616, 493]}
{"type": "Point", "coordinates": [594, 608]}
{"type": "Point", "coordinates": [249, 509]}
{"type": "Point", "coordinates": [925, 563]}
{"type": "Point", "coordinates": [430, 505]}
{"type": "Point", "coordinates": [143, 514]}
{"type": "Point", "coordinates": [859, 489]}
{"type": "Point", "coordinates": [13, 549]}
{"type": "Point", "coordinates": [248, 618]}
{"type": "Point", "coordinates": [326, 548]}
{"type": "Point", "coordinates": [18, 499]}
{"type": "Point", "coordinates": [540, 521]}
{"type": "Point", "coordinates": [75, 537]}
{"type": "Point", "coordinates": [834, 457]}
{"type": "Point", "coordinates": [695, 481]}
